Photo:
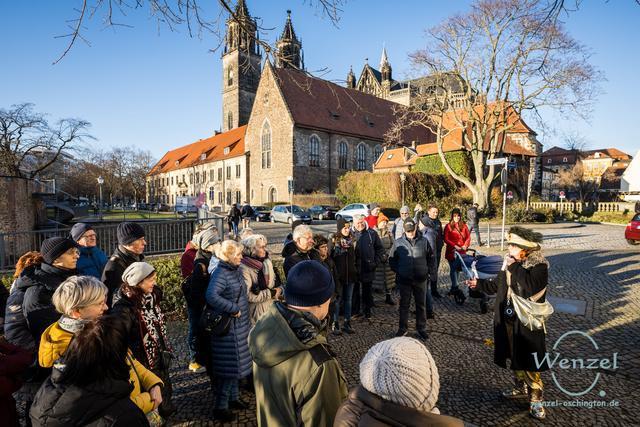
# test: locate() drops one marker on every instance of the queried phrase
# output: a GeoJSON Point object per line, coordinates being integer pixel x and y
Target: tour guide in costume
{"type": "Point", "coordinates": [528, 271]}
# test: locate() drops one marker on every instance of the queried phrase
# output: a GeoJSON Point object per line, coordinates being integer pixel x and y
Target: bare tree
{"type": "Point", "coordinates": [29, 144]}
{"type": "Point", "coordinates": [198, 16]}
{"type": "Point", "coordinates": [576, 179]}
{"type": "Point", "coordinates": [487, 67]}
{"type": "Point", "coordinates": [574, 141]}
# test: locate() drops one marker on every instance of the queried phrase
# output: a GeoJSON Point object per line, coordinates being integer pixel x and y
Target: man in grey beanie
{"type": "Point", "coordinates": [290, 352]}
{"type": "Point", "coordinates": [398, 224]}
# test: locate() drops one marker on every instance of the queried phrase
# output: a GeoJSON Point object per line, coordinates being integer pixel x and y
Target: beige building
{"type": "Point", "coordinates": [214, 169]}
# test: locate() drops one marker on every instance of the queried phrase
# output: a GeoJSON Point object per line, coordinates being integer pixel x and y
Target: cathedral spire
{"type": "Point", "coordinates": [351, 79]}
{"type": "Point", "coordinates": [241, 9]}
{"type": "Point", "coordinates": [383, 58]}
{"type": "Point", "coordinates": [385, 67]}
{"type": "Point", "coordinates": [289, 47]}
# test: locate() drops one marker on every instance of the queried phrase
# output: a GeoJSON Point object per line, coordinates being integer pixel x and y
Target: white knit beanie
{"type": "Point", "coordinates": [136, 273]}
{"type": "Point", "coordinates": [402, 371]}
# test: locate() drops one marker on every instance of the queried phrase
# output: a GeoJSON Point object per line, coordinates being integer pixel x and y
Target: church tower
{"type": "Point", "coordinates": [289, 47]}
{"type": "Point", "coordinates": [385, 71]}
{"type": "Point", "coordinates": [241, 61]}
{"type": "Point", "coordinates": [351, 79]}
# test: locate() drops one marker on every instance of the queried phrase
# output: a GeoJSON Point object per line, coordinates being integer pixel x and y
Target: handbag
{"type": "Point", "coordinates": [216, 324]}
{"type": "Point", "coordinates": [532, 314]}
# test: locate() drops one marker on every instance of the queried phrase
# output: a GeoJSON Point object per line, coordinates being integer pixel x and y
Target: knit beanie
{"type": "Point", "coordinates": [52, 248]}
{"type": "Point", "coordinates": [78, 230]}
{"type": "Point", "coordinates": [129, 232]}
{"type": "Point", "coordinates": [309, 283]}
{"type": "Point", "coordinates": [341, 222]}
{"type": "Point", "coordinates": [136, 273]}
{"type": "Point", "coordinates": [401, 370]}
{"type": "Point", "coordinates": [207, 238]}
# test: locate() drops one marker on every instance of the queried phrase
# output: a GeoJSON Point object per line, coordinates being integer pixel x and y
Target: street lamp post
{"type": "Point", "coordinates": [100, 182]}
{"type": "Point", "coordinates": [403, 178]}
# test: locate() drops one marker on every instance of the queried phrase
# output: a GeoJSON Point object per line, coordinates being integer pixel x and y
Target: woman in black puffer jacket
{"type": "Point", "coordinates": [77, 393]}
{"type": "Point", "coordinates": [343, 253]}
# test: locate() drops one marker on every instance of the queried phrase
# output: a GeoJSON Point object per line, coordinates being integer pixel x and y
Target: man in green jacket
{"type": "Point", "coordinates": [298, 380]}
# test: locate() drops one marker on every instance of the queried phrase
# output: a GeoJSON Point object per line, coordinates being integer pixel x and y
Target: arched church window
{"type": "Point", "coordinates": [361, 157]}
{"type": "Point", "coordinates": [266, 146]}
{"type": "Point", "coordinates": [314, 151]}
{"type": "Point", "coordinates": [377, 152]}
{"type": "Point", "coordinates": [230, 76]}
{"type": "Point", "coordinates": [343, 155]}
{"type": "Point", "coordinates": [229, 120]}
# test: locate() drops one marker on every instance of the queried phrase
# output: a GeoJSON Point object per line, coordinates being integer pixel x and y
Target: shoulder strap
{"type": "Point", "coordinates": [321, 353]}
{"type": "Point", "coordinates": [532, 298]}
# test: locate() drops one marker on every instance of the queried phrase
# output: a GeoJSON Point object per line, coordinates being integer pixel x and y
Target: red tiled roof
{"type": "Point", "coordinates": [213, 149]}
{"type": "Point", "coordinates": [396, 157]}
{"type": "Point", "coordinates": [614, 153]}
{"type": "Point", "coordinates": [319, 104]}
{"type": "Point", "coordinates": [453, 142]}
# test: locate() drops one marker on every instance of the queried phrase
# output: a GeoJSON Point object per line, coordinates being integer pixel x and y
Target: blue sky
{"type": "Point", "coordinates": [155, 89]}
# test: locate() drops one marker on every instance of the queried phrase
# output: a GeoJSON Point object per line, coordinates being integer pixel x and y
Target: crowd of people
{"type": "Point", "coordinates": [71, 309]}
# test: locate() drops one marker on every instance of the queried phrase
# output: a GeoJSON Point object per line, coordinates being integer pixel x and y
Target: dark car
{"type": "Point", "coordinates": [322, 212]}
{"type": "Point", "coordinates": [261, 213]}
{"type": "Point", "coordinates": [632, 232]}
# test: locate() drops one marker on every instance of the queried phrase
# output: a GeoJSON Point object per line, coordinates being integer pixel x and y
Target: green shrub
{"type": "Point", "coordinates": [170, 279]}
{"type": "Point", "coordinates": [7, 280]}
{"type": "Point", "coordinates": [459, 161]}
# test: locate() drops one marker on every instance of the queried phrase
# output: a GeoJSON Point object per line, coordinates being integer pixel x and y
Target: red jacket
{"type": "Point", "coordinates": [372, 221]}
{"type": "Point", "coordinates": [187, 259]}
{"type": "Point", "coordinates": [456, 236]}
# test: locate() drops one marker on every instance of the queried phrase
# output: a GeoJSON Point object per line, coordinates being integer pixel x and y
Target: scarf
{"type": "Point", "coordinates": [263, 272]}
{"type": "Point", "coordinates": [152, 330]}
{"type": "Point", "coordinates": [69, 324]}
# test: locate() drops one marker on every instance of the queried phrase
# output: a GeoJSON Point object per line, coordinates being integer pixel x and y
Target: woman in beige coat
{"type": "Point", "coordinates": [259, 276]}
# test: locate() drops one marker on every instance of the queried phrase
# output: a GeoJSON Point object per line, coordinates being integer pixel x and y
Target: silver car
{"type": "Point", "coordinates": [282, 213]}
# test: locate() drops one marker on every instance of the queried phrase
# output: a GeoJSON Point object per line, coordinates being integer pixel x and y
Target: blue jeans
{"type": "Point", "coordinates": [227, 390]}
{"type": "Point", "coordinates": [345, 299]}
{"type": "Point", "coordinates": [194, 313]}
{"type": "Point", "coordinates": [453, 272]}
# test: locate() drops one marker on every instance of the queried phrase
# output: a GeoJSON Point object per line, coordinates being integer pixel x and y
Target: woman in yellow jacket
{"type": "Point", "coordinates": [82, 299]}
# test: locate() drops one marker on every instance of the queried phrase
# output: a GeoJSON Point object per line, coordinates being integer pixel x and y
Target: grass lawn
{"type": "Point", "coordinates": [612, 217]}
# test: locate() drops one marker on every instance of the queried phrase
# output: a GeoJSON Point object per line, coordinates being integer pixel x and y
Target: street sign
{"type": "Point", "coordinates": [290, 185]}
{"type": "Point", "coordinates": [562, 196]}
{"type": "Point", "coordinates": [497, 161]}
{"type": "Point", "coordinates": [509, 194]}
{"type": "Point", "coordinates": [512, 165]}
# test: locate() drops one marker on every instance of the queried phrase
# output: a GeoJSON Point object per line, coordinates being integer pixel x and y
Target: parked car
{"type": "Point", "coordinates": [322, 212]}
{"type": "Point", "coordinates": [632, 232]}
{"type": "Point", "coordinates": [282, 213]}
{"type": "Point", "coordinates": [349, 211]}
{"type": "Point", "coordinates": [261, 213]}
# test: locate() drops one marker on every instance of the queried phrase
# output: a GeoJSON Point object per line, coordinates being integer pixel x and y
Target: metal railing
{"type": "Point", "coordinates": [162, 237]}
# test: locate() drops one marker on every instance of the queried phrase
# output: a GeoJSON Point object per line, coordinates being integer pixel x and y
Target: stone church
{"type": "Point", "coordinates": [285, 123]}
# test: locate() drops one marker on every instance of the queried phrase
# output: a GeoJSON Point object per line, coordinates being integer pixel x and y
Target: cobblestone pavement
{"type": "Point", "coordinates": [590, 263]}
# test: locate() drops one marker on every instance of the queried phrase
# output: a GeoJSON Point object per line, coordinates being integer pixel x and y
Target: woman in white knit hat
{"type": "Point", "coordinates": [399, 386]}
{"type": "Point", "coordinates": [525, 274]}
{"type": "Point", "coordinates": [138, 302]}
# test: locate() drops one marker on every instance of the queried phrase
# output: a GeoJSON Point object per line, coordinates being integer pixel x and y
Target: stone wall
{"type": "Point", "coordinates": [269, 111]}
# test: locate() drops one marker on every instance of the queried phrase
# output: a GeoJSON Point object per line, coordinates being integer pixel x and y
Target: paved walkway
{"type": "Point", "coordinates": [591, 263]}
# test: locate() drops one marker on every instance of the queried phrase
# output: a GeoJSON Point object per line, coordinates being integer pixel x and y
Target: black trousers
{"type": "Point", "coordinates": [418, 290]}
{"type": "Point", "coordinates": [362, 299]}
{"type": "Point", "coordinates": [434, 284]}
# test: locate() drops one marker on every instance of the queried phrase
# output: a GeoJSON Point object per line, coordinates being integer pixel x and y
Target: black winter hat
{"type": "Point", "coordinates": [309, 283]}
{"type": "Point", "coordinates": [409, 225]}
{"type": "Point", "coordinates": [129, 232]}
{"type": "Point", "coordinates": [341, 222]}
{"type": "Point", "coordinates": [52, 248]}
{"type": "Point", "coordinates": [79, 229]}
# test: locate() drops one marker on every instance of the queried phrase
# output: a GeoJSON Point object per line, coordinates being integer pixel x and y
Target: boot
{"type": "Point", "coordinates": [483, 307]}
{"type": "Point", "coordinates": [238, 404]}
{"type": "Point", "coordinates": [335, 328]}
{"type": "Point", "coordinates": [347, 328]}
{"type": "Point", "coordinates": [536, 409]}
{"type": "Point", "coordinates": [389, 301]}
{"type": "Point", "coordinates": [518, 391]}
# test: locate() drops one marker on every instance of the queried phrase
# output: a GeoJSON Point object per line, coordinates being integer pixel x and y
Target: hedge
{"type": "Point", "coordinates": [460, 162]}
